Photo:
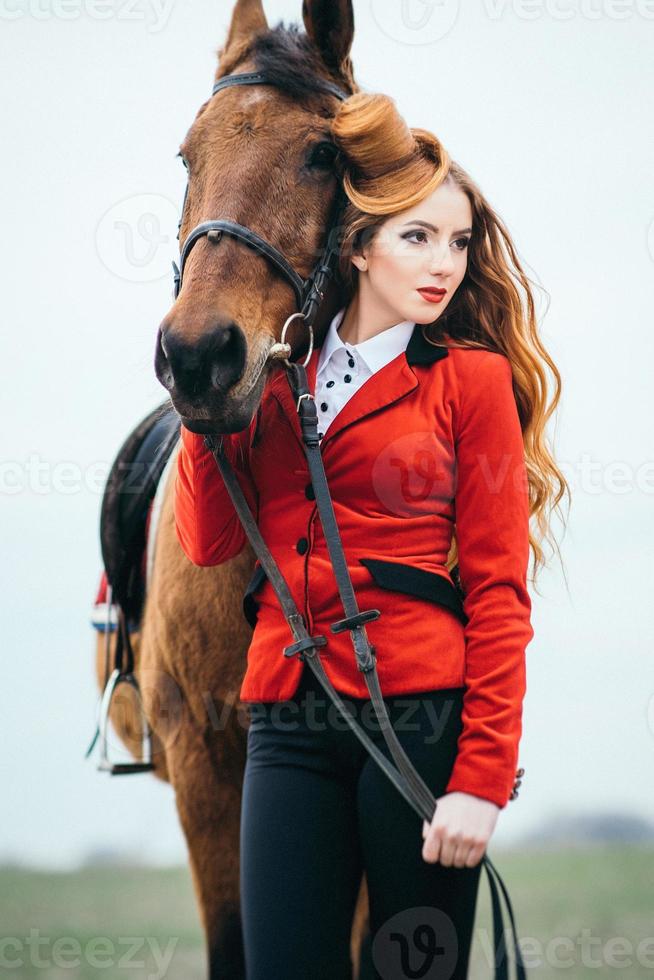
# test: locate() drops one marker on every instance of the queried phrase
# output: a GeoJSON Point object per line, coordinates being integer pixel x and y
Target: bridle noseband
{"type": "Point", "coordinates": [308, 292]}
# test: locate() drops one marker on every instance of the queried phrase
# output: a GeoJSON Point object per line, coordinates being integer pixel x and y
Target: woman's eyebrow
{"type": "Point", "coordinates": [425, 224]}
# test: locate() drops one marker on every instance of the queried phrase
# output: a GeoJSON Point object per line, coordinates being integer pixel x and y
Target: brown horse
{"type": "Point", "coordinates": [262, 156]}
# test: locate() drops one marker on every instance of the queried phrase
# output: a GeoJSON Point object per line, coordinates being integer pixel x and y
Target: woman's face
{"type": "Point", "coordinates": [425, 247]}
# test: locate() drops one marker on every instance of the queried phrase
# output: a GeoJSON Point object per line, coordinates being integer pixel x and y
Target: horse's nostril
{"type": "Point", "coordinates": [220, 340]}
{"type": "Point", "coordinates": [210, 365]}
{"type": "Point", "coordinates": [226, 357]}
{"type": "Point", "coordinates": [161, 363]}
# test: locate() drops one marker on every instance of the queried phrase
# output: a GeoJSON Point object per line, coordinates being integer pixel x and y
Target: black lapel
{"type": "Point", "coordinates": [421, 351]}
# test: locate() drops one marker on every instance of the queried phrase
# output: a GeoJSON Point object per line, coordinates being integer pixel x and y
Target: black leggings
{"type": "Point", "coordinates": [317, 812]}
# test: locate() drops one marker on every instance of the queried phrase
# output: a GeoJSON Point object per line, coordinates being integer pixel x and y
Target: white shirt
{"type": "Point", "coordinates": [343, 368]}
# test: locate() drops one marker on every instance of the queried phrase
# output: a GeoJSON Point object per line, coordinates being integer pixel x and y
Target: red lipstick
{"type": "Point", "coordinates": [432, 294]}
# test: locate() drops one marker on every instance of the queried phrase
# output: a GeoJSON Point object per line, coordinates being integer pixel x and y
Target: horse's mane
{"type": "Point", "coordinates": [290, 59]}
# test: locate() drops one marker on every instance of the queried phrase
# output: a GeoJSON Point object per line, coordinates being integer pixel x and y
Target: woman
{"type": "Point", "coordinates": [431, 399]}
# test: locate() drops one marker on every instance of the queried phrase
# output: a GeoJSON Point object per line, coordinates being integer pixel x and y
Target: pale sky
{"type": "Point", "coordinates": [549, 107]}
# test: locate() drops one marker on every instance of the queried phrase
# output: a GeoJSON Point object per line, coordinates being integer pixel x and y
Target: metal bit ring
{"type": "Point", "coordinates": [284, 329]}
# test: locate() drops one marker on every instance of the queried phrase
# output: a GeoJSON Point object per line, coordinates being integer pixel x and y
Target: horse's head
{"type": "Point", "coordinates": [259, 156]}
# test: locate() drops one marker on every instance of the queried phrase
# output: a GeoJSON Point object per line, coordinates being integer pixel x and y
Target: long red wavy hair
{"type": "Point", "coordinates": [388, 167]}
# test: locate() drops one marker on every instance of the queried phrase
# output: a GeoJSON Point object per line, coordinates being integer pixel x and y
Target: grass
{"type": "Point", "coordinates": [100, 922]}
{"type": "Point", "coordinates": [580, 913]}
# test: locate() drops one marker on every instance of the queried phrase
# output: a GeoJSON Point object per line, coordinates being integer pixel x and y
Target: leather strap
{"type": "Point", "coordinates": [233, 228]}
{"type": "Point", "coordinates": [354, 621]}
{"type": "Point", "coordinates": [259, 78]}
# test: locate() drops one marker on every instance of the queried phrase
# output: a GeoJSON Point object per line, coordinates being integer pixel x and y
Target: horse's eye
{"type": "Point", "coordinates": [323, 155]}
{"type": "Point", "coordinates": [183, 159]}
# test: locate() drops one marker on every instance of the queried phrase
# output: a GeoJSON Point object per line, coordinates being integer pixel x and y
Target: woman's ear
{"type": "Point", "coordinates": [360, 262]}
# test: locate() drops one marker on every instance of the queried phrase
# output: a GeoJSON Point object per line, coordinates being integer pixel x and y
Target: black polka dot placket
{"type": "Point", "coordinates": [333, 394]}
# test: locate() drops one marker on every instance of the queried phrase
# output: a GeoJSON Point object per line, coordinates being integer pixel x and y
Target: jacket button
{"type": "Point", "coordinates": [302, 546]}
{"type": "Point", "coordinates": [308, 492]}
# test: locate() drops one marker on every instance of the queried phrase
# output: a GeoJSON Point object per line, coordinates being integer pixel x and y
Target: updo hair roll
{"type": "Point", "coordinates": [386, 166]}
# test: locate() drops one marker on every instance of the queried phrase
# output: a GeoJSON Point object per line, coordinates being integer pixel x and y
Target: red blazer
{"type": "Point", "coordinates": [431, 439]}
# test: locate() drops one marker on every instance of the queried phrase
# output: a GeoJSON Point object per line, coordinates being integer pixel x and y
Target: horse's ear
{"type": "Point", "coordinates": [248, 18]}
{"type": "Point", "coordinates": [330, 25]}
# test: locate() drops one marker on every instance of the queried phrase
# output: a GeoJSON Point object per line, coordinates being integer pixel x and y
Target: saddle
{"type": "Point", "coordinates": [124, 523]}
{"type": "Point", "coordinates": [126, 502]}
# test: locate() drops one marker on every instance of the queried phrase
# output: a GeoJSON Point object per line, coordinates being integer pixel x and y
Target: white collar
{"type": "Point", "coordinates": [376, 351]}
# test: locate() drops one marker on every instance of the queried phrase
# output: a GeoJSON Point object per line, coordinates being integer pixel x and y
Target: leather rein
{"type": "Point", "coordinates": [309, 294]}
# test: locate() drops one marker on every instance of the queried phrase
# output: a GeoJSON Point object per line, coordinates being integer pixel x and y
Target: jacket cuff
{"type": "Point", "coordinates": [464, 780]}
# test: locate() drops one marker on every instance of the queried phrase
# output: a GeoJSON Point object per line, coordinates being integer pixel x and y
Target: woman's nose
{"type": "Point", "coordinates": [440, 261]}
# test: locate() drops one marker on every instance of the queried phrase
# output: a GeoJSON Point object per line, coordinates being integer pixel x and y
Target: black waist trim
{"type": "Point", "coordinates": [401, 577]}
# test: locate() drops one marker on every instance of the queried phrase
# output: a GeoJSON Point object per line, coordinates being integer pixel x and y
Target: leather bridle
{"type": "Point", "coordinates": [309, 292]}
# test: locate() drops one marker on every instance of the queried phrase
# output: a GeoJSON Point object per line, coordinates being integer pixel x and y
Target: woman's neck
{"type": "Point", "coordinates": [359, 324]}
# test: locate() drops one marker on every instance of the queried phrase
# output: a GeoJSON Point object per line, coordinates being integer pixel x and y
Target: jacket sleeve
{"type": "Point", "coordinates": [492, 528]}
{"type": "Point", "coordinates": [206, 522]}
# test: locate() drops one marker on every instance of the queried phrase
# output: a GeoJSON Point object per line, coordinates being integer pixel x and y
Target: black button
{"type": "Point", "coordinates": [320, 435]}
{"type": "Point", "coordinates": [348, 377]}
{"type": "Point", "coordinates": [351, 362]}
{"type": "Point", "coordinates": [302, 546]}
{"type": "Point", "coordinates": [330, 384]}
{"type": "Point", "coordinates": [308, 492]}
{"type": "Point", "coordinates": [323, 406]}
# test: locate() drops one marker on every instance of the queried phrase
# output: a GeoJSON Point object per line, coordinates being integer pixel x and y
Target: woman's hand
{"type": "Point", "coordinates": [460, 830]}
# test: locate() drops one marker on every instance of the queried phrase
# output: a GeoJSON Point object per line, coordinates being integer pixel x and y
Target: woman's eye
{"type": "Point", "coordinates": [416, 232]}
{"type": "Point", "coordinates": [460, 243]}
